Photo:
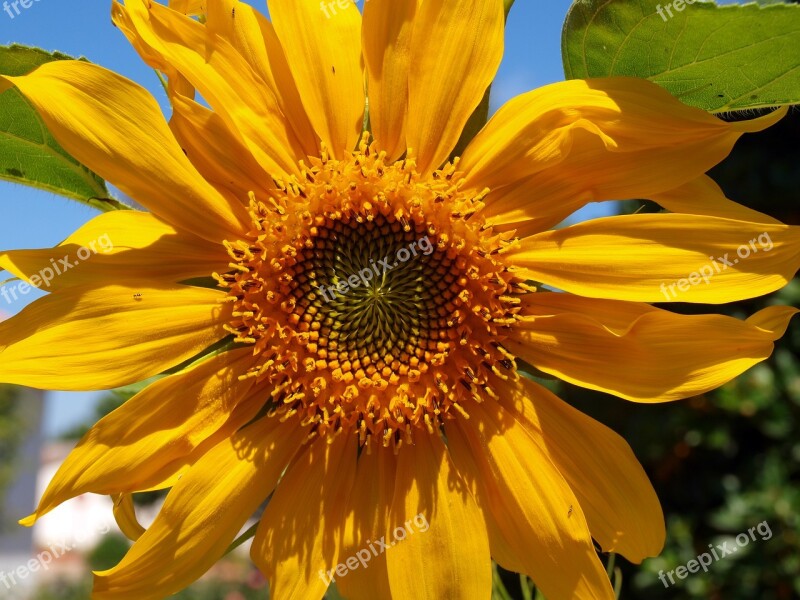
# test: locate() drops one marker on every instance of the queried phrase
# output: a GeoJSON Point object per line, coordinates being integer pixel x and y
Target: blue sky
{"type": "Point", "coordinates": [32, 219]}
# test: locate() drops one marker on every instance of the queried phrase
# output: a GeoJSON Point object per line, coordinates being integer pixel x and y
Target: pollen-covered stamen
{"type": "Point", "coordinates": [374, 300]}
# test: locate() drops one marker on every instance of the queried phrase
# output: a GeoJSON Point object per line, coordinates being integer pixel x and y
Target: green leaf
{"type": "Point", "coordinates": [29, 154]}
{"type": "Point", "coordinates": [718, 58]}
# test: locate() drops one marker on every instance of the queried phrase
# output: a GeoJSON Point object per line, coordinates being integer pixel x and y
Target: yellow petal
{"type": "Point", "coordinates": [177, 84]}
{"type": "Point", "coordinates": [702, 196]}
{"type": "Point", "coordinates": [202, 514]}
{"type": "Point", "coordinates": [122, 338]}
{"type": "Point", "coordinates": [189, 7]}
{"type": "Point", "coordinates": [534, 204]}
{"type": "Point", "coordinates": [387, 30]}
{"type": "Point", "coordinates": [611, 128]}
{"type": "Point", "coordinates": [254, 37]}
{"type": "Point", "coordinates": [116, 128]}
{"type": "Point", "coordinates": [324, 54]}
{"type": "Point", "coordinates": [118, 247]}
{"type": "Point", "coordinates": [245, 410]}
{"type": "Point", "coordinates": [543, 200]}
{"type": "Point", "coordinates": [455, 52]}
{"type": "Point", "coordinates": [173, 41]}
{"type": "Point", "coordinates": [366, 523]}
{"type": "Point", "coordinates": [125, 516]}
{"type": "Point", "coordinates": [299, 537]}
{"type": "Point", "coordinates": [662, 257]}
{"type": "Point", "coordinates": [620, 505]}
{"type": "Point", "coordinates": [217, 151]}
{"type": "Point", "coordinates": [600, 139]}
{"type": "Point", "coordinates": [532, 507]}
{"type": "Point", "coordinates": [638, 352]}
{"type": "Point", "coordinates": [773, 320]}
{"type": "Point", "coordinates": [503, 552]}
{"type": "Point", "coordinates": [448, 556]}
{"type": "Point", "coordinates": [128, 449]}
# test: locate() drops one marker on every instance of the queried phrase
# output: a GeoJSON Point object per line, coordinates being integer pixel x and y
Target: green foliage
{"type": "Point", "coordinates": [718, 58]}
{"type": "Point", "coordinates": [11, 435]}
{"type": "Point", "coordinates": [216, 590]}
{"type": "Point", "coordinates": [29, 154]}
{"type": "Point", "coordinates": [64, 590]}
{"type": "Point", "coordinates": [109, 552]}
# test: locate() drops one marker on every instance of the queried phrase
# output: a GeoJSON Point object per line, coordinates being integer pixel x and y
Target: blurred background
{"type": "Point", "coordinates": [721, 463]}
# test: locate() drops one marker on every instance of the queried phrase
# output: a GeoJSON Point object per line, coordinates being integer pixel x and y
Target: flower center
{"type": "Point", "coordinates": [375, 301]}
{"type": "Point", "coordinates": [375, 297]}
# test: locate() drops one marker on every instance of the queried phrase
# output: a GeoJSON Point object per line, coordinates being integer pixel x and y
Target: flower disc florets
{"type": "Point", "coordinates": [375, 299]}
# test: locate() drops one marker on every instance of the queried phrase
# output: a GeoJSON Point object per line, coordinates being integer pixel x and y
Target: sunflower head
{"type": "Point", "coordinates": [354, 359]}
{"type": "Point", "coordinates": [375, 298]}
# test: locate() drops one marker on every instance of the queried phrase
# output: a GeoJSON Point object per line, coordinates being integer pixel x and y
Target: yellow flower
{"type": "Point", "coordinates": [368, 300]}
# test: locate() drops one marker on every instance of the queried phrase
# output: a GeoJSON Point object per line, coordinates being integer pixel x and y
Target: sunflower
{"type": "Point", "coordinates": [347, 312]}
